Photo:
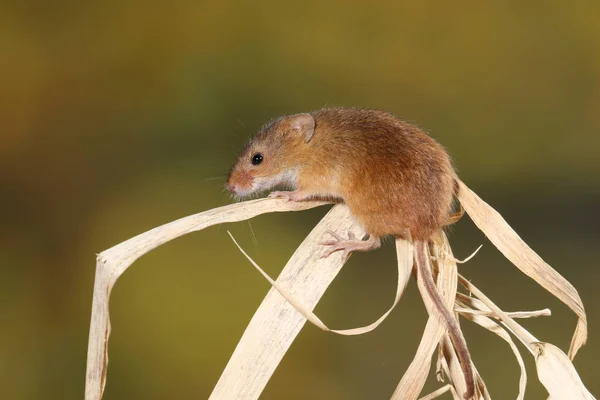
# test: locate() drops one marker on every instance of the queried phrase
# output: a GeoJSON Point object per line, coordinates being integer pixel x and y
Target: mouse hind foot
{"type": "Point", "coordinates": [350, 245]}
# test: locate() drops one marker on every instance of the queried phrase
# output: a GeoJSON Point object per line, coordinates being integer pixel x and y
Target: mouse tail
{"type": "Point", "coordinates": [464, 357]}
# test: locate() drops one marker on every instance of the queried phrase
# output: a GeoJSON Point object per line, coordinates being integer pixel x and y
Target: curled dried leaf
{"type": "Point", "coordinates": [558, 375]}
{"type": "Point", "coordinates": [523, 257]}
{"type": "Point", "coordinates": [404, 252]}
{"type": "Point", "coordinates": [113, 262]}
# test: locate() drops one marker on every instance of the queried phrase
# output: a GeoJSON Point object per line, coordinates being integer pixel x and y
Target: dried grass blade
{"type": "Point", "coordinates": [439, 369]}
{"type": "Point", "coordinates": [555, 369]}
{"type": "Point", "coordinates": [492, 326]}
{"type": "Point", "coordinates": [476, 306]}
{"type": "Point", "coordinates": [113, 262]}
{"type": "Point", "coordinates": [437, 393]}
{"type": "Point", "coordinates": [516, 314]}
{"type": "Point", "coordinates": [521, 333]}
{"type": "Point", "coordinates": [451, 366]}
{"type": "Point", "coordinates": [276, 323]}
{"type": "Point", "coordinates": [523, 257]}
{"type": "Point", "coordinates": [558, 375]}
{"type": "Point", "coordinates": [404, 253]}
{"type": "Point", "coordinates": [413, 380]}
{"type": "Point", "coordinates": [480, 387]}
{"type": "Point", "coordinates": [456, 371]}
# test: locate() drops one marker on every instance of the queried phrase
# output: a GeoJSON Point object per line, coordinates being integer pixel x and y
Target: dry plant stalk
{"type": "Point", "coordinates": [306, 276]}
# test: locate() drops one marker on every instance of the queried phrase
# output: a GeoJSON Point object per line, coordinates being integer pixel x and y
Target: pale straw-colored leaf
{"type": "Point", "coordinates": [492, 326]}
{"type": "Point", "coordinates": [414, 378]}
{"type": "Point", "coordinates": [476, 306]}
{"type": "Point", "coordinates": [276, 322]}
{"type": "Point", "coordinates": [439, 370]}
{"type": "Point", "coordinates": [481, 387]}
{"type": "Point", "coordinates": [515, 314]}
{"type": "Point", "coordinates": [451, 366]}
{"type": "Point", "coordinates": [523, 257]}
{"type": "Point", "coordinates": [404, 254]}
{"type": "Point", "coordinates": [555, 369]}
{"type": "Point", "coordinates": [557, 374]}
{"type": "Point", "coordinates": [113, 262]}
{"type": "Point", "coordinates": [437, 393]}
{"type": "Point", "coordinates": [448, 360]}
{"type": "Point", "coordinates": [522, 334]}
{"type": "Point", "coordinates": [289, 303]}
{"type": "Point", "coordinates": [452, 369]}
{"type": "Point", "coordinates": [300, 285]}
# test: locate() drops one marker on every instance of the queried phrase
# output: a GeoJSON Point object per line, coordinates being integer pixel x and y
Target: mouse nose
{"type": "Point", "coordinates": [230, 187]}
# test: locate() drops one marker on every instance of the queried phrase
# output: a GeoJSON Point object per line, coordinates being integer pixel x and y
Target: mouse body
{"type": "Point", "coordinates": [394, 178]}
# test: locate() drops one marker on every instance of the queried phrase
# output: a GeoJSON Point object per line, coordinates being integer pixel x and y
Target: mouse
{"type": "Point", "coordinates": [395, 179]}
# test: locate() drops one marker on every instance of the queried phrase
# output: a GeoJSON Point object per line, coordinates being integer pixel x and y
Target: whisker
{"type": "Point", "coordinates": [214, 178]}
{"type": "Point", "coordinates": [253, 235]}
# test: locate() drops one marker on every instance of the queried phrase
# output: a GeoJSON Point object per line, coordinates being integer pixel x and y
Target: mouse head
{"type": "Point", "coordinates": [272, 157]}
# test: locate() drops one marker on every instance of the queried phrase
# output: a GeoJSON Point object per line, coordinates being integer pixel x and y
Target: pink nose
{"type": "Point", "coordinates": [230, 187]}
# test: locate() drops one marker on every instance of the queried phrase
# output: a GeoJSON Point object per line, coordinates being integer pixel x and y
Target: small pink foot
{"type": "Point", "coordinates": [296, 195]}
{"type": "Point", "coordinates": [349, 245]}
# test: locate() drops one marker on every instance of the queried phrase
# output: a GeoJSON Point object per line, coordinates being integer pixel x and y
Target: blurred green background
{"type": "Point", "coordinates": [120, 116]}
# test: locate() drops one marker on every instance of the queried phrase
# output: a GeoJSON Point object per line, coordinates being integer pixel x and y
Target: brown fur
{"type": "Point", "coordinates": [392, 175]}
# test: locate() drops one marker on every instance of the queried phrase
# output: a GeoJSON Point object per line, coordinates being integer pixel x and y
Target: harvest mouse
{"type": "Point", "coordinates": [395, 179]}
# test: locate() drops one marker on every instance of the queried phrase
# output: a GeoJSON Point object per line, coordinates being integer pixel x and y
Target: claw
{"type": "Point", "coordinates": [328, 242]}
{"type": "Point", "coordinates": [347, 246]}
{"type": "Point", "coordinates": [280, 195]}
{"type": "Point", "coordinates": [337, 237]}
{"type": "Point", "coordinates": [296, 195]}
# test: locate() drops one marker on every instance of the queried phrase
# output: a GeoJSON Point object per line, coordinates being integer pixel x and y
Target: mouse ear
{"type": "Point", "coordinates": [303, 123]}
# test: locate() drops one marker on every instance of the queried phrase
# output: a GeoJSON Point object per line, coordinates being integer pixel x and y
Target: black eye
{"type": "Point", "coordinates": [257, 159]}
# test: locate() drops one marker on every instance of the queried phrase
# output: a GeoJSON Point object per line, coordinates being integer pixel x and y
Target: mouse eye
{"type": "Point", "coordinates": [257, 159]}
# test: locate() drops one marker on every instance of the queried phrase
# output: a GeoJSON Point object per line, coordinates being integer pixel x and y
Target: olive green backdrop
{"type": "Point", "coordinates": [119, 116]}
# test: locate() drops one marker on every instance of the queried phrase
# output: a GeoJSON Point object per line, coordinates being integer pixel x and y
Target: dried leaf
{"type": "Point", "coordinates": [522, 334]}
{"type": "Point", "coordinates": [478, 307]}
{"type": "Point", "coordinates": [438, 393]}
{"type": "Point", "coordinates": [450, 361]}
{"type": "Point", "coordinates": [451, 366]}
{"type": "Point", "coordinates": [555, 369]}
{"type": "Point", "coordinates": [492, 326]}
{"type": "Point", "coordinates": [557, 374]}
{"type": "Point", "coordinates": [414, 378]}
{"type": "Point", "coordinates": [523, 257]}
{"type": "Point", "coordinates": [405, 255]}
{"type": "Point", "coordinates": [113, 262]}
{"type": "Point", "coordinates": [276, 322]}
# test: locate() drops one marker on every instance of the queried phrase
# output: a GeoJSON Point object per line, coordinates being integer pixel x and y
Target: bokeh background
{"type": "Point", "coordinates": [119, 116]}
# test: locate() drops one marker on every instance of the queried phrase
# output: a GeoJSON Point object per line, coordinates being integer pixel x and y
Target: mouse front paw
{"type": "Point", "coordinates": [289, 196]}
